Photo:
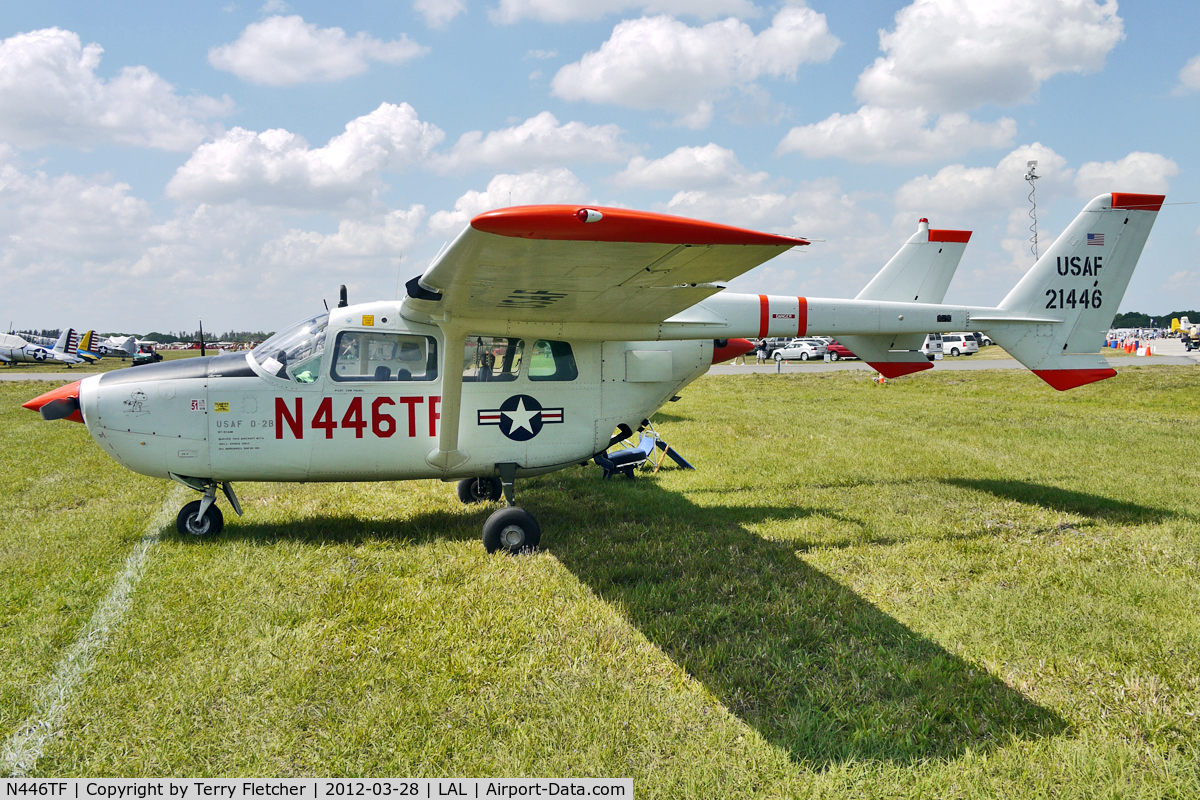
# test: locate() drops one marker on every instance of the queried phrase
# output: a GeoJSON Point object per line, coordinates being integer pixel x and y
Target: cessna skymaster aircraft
{"type": "Point", "coordinates": [571, 323]}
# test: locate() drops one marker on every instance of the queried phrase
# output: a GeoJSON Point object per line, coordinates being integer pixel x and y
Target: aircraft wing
{"type": "Point", "coordinates": [557, 263]}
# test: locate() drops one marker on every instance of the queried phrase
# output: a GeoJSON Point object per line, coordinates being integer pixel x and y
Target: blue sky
{"type": "Point", "coordinates": [163, 162]}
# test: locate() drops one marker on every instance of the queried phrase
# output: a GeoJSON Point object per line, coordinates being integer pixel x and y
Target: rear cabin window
{"type": "Point", "coordinates": [552, 361]}
{"type": "Point", "coordinates": [370, 356]}
{"type": "Point", "coordinates": [492, 358]}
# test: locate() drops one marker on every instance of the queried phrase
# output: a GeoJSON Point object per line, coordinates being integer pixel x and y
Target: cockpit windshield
{"type": "Point", "coordinates": [295, 353]}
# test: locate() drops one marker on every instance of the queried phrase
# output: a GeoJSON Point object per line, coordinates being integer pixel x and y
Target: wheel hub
{"type": "Point", "coordinates": [512, 536]}
{"type": "Point", "coordinates": [197, 525]}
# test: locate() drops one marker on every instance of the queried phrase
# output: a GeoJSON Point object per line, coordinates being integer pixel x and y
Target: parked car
{"type": "Point", "coordinates": [838, 350]}
{"type": "Point", "coordinates": [802, 349]}
{"type": "Point", "coordinates": [959, 344]}
{"type": "Point", "coordinates": [777, 343]}
{"type": "Point", "coordinates": [982, 339]}
{"type": "Point", "coordinates": [932, 347]}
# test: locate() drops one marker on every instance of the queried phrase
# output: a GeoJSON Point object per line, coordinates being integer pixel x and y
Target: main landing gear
{"type": "Point", "coordinates": [202, 517]}
{"type": "Point", "coordinates": [511, 528]}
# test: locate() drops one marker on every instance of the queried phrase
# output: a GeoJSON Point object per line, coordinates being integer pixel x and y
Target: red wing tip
{"type": "Point", "coordinates": [949, 236]}
{"type": "Point", "coordinates": [898, 369]}
{"type": "Point", "coordinates": [1138, 202]}
{"type": "Point", "coordinates": [1064, 379]}
{"type": "Point", "coordinates": [564, 223]}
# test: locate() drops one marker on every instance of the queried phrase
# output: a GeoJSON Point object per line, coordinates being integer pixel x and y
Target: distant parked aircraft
{"type": "Point", "coordinates": [15, 349]}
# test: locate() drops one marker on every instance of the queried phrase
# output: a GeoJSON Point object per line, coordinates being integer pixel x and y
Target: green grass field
{"type": "Point", "coordinates": [961, 584]}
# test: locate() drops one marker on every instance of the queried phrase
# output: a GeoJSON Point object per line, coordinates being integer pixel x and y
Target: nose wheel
{"type": "Point", "coordinates": [202, 517]}
{"type": "Point", "coordinates": [193, 522]}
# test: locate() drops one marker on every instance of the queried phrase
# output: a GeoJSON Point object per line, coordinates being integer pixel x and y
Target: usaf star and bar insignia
{"type": "Point", "coordinates": [520, 417]}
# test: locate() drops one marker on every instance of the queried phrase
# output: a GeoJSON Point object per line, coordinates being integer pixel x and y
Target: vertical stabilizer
{"type": "Point", "coordinates": [920, 272]}
{"type": "Point", "coordinates": [1076, 286]}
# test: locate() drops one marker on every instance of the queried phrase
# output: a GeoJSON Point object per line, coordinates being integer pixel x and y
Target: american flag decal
{"type": "Point", "coordinates": [1096, 239]}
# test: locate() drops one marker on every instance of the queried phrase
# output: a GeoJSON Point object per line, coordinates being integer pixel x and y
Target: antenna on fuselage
{"type": "Point", "coordinates": [202, 338]}
{"type": "Point", "coordinates": [342, 296]}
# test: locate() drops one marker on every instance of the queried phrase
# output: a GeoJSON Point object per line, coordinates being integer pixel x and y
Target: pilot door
{"type": "Point", "coordinates": [380, 412]}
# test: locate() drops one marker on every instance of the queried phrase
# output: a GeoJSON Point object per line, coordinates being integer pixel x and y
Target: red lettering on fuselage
{"type": "Point", "coordinates": [295, 423]}
{"type": "Point", "coordinates": [411, 402]}
{"type": "Point", "coordinates": [383, 425]}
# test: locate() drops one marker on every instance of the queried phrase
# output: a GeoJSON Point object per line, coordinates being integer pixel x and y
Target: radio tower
{"type": "Point", "coordinates": [1031, 176]}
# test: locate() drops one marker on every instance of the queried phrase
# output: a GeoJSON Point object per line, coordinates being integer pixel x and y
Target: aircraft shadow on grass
{"type": "Point", "coordinates": [1095, 506]}
{"type": "Point", "coordinates": [819, 671]}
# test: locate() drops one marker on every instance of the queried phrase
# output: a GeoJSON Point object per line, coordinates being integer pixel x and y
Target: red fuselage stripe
{"type": "Point", "coordinates": [802, 317]}
{"type": "Point", "coordinates": [764, 315]}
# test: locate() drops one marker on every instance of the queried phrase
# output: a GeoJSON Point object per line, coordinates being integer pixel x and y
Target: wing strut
{"type": "Point", "coordinates": [446, 456]}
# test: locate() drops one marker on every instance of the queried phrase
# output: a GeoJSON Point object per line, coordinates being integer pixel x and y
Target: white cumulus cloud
{"type": "Point", "coordinates": [958, 188]}
{"type": "Point", "coordinates": [662, 63]}
{"type": "Point", "coordinates": [536, 187]}
{"type": "Point", "coordinates": [538, 141]}
{"type": "Point", "coordinates": [46, 221]}
{"type": "Point", "coordinates": [896, 136]}
{"type": "Point", "coordinates": [277, 167]}
{"type": "Point", "coordinates": [953, 55]}
{"type": "Point", "coordinates": [573, 10]}
{"type": "Point", "coordinates": [1189, 76]}
{"type": "Point", "coordinates": [438, 13]}
{"type": "Point", "coordinates": [1148, 173]}
{"type": "Point", "coordinates": [282, 51]}
{"type": "Point", "coordinates": [689, 168]}
{"type": "Point", "coordinates": [50, 94]}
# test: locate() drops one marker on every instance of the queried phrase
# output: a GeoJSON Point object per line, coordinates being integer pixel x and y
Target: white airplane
{"type": "Point", "coordinates": [121, 346]}
{"type": "Point", "coordinates": [539, 331]}
{"type": "Point", "coordinates": [16, 349]}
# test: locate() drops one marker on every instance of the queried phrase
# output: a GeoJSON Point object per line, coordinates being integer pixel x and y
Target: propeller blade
{"type": "Point", "coordinates": [61, 408]}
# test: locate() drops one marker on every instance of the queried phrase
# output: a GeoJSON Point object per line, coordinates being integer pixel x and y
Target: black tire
{"type": "Point", "coordinates": [777, 356]}
{"type": "Point", "coordinates": [833, 356]}
{"type": "Point", "coordinates": [954, 351]}
{"type": "Point", "coordinates": [512, 529]}
{"type": "Point", "coordinates": [804, 356]}
{"type": "Point", "coordinates": [190, 524]}
{"type": "Point", "coordinates": [479, 490]}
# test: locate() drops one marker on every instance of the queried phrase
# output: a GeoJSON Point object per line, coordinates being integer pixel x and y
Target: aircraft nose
{"type": "Point", "coordinates": [60, 403]}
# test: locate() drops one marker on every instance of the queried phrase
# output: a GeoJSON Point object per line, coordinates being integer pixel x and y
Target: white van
{"type": "Point", "coordinates": [932, 348]}
{"type": "Point", "coordinates": [959, 344]}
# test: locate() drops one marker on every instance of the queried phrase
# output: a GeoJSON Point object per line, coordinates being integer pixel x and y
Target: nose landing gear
{"type": "Point", "coordinates": [202, 517]}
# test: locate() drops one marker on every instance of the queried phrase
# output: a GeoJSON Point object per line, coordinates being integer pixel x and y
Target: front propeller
{"type": "Point", "coordinates": [60, 403]}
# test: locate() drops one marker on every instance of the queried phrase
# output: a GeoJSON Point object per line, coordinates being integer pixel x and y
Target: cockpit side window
{"type": "Point", "coordinates": [552, 361]}
{"type": "Point", "coordinates": [372, 356]}
{"type": "Point", "coordinates": [296, 352]}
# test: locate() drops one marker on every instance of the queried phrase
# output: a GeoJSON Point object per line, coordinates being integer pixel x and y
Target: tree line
{"type": "Point", "coordinates": [1136, 319]}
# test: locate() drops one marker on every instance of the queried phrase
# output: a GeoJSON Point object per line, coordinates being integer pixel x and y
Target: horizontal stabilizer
{"type": "Point", "coordinates": [877, 351]}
